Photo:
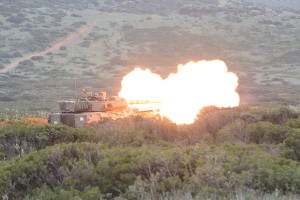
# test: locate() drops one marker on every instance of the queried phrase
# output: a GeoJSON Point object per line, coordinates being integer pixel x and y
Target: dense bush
{"type": "Point", "coordinates": [266, 132]}
{"type": "Point", "coordinates": [292, 144]}
{"type": "Point", "coordinates": [214, 125]}
{"type": "Point", "coordinates": [294, 123]}
{"type": "Point", "coordinates": [246, 124]}
{"type": "Point", "coordinates": [153, 158]}
{"type": "Point", "coordinates": [211, 119]}
{"type": "Point", "coordinates": [241, 132]}
{"type": "Point", "coordinates": [280, 115]}
{"type": "Point", "coordinates": [234, 132]}
{"type": "Point", "coordinates": [19, 139]}
{"type": "Point", "coordinates": [94, 169]}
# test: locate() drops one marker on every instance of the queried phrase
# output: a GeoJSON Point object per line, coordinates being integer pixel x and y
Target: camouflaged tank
{"type": "Point", "coordinates": [94, 108]}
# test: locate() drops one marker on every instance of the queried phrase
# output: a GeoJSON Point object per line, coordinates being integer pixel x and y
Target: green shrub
{"type": "Point", "coordinates": [213, 125]}
{"type": "Point", "coordinates": [80, 165]}
{"type": "Point", "coordinates": [57, 193]}
{"type": "Point", "coordinates": [211, 119]}
{"type": "Point", "coordinates": [266, 133]}
{"type": "Point", "coordinates": [279, 115]}
{"type": "Point", "coordinates": [234, 132]}
{"type": "Point", "coordinates": [76, 168]}
{"type": "Point", "coordinates": [230, 168]}
{"type": "Point", "coordinates": [2, 152]}
{"type": "Point", "coordinates": [294, 123]}
{"type": "Point", "coordinates": [240, 132]}
{"type": "Point", "coordinates": [19, 139]}
{"type": "Point", "coordinates": [292, 144]}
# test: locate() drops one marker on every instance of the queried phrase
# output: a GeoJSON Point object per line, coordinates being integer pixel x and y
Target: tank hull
{"type": "Point", "coordinates": [78, 120]}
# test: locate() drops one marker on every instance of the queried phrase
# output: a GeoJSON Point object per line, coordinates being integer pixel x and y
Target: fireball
{"type": "Point", "coordinates": [183, 94]}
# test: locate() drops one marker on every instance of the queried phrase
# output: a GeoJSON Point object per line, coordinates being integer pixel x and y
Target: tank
{"type": "Point", "coordinates": [94, 108]}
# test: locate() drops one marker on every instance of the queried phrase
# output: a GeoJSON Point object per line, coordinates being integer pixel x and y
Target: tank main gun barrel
{"type": "Point", "coordinates": [142, 101]}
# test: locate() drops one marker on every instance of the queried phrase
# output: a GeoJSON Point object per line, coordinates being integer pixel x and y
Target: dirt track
{"type": "Point", "coordinates": [55, 47]}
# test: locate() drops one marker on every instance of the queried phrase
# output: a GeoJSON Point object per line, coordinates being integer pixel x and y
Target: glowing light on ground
{"type": "Point", "coordinates": [183, 94]}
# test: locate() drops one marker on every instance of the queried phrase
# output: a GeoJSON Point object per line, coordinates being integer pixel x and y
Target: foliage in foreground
{"type": "Point", "coordinates": [241, 125]}
{"type": "Point", "coordinates": [227, 153]}
{"type": "Point", "coordinates": [94, 169]}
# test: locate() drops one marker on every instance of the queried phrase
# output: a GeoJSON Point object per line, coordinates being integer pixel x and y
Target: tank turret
{"type": "Point", "coordinates": [93, 108]}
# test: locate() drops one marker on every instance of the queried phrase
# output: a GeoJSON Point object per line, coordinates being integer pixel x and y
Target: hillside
{"type": "Point", "coordinates": [278, 3]}
{"type": "Point", "coordinates": [259, 43]}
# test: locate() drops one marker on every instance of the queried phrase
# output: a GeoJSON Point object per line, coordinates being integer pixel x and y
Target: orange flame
{"type": "Point", "coordinates": [183, 94]}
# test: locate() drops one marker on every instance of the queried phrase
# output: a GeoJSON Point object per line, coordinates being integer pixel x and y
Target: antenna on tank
{"type": "Point", "coordinates": [75, 77]}
{"type": "Point", "coordinates": [75, 86]}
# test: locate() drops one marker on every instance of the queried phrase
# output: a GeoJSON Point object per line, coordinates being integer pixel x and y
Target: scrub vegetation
{"type": "Point", "coordinates": [228, 153]}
